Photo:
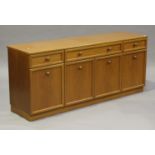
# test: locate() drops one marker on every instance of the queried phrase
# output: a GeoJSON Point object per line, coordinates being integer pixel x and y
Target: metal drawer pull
{"type": "Point", "coordinates": [80, 67]}
{"type": "Point", "coordinates": [47, 59]}
{"type": "Point", "coordinates": [109, 61]}
{"type": "Point", "coordinates": [47, 73]}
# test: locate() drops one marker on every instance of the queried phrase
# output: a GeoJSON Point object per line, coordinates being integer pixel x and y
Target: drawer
{"type": "Point", "coordinates": [47, 59]}
{"type": "Point", "coordinates": [135, 45]}
{"type": "Point", "coordinates": [87, 53]}
{"type": "Point", "coordinates": [113, 49]}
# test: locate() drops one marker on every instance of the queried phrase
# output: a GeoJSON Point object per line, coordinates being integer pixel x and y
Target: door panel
{"type": "Point", "coordinates": [133, 70]}
{"type": "Point", "coordinates": [78, 82]}
{"type": "Point", "coordinates": [107, 76]}
{"type": "Point", "coordinates": [46, 89]}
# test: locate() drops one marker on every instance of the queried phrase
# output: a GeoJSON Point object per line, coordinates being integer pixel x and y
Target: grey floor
{"type": "Point", "coordinates": [131, 112]}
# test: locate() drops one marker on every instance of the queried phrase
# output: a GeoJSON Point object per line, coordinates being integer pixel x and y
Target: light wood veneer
{"type": "Point", "coordinates": [49, 77]}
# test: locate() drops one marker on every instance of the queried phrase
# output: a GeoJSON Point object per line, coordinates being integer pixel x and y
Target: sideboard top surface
{"type": "Point", "coordinates": [74, 42]}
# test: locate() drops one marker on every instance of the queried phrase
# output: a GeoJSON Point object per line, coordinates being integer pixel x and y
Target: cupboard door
{"type": "Point", "coordinates": [133, 70]}
{"type": "Point", "coordinates": [107, 76]}
{"type": "Point", "coordinates": [46, 89]}
{"type": "Point", "coordinates": [78, 82]}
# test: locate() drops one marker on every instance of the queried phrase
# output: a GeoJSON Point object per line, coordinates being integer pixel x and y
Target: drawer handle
{"type": "Point", "coordinates": [135, 44]}
{"type": "Point", "coordinates": [109, 61]}
{"type": "Point", "coordinates": [47, 59]}
{"type": "Point", "coordinates": [80, 54]}
{"type": "Point", "coordinates": [47, 73]}
{"type": "Point", "coordinates": [80, 67]}
{"type": "Point", "coordinates": [109, 49]}
{"type": "Point", "coordinates": [135, 57]}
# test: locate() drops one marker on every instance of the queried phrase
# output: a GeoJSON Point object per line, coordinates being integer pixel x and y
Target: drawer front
{"type": "Point", "coordinates": [135, 45]}
{"type": "Point", "coordinates": [81, 54]}
{"type": "Point", "coordinates": [113, 49]}
{"type": "Point", "coordinates": [48, 59]}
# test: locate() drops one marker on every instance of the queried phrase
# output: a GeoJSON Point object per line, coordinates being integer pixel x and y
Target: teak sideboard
{"type": "Point", "coordinates": [50, 77]}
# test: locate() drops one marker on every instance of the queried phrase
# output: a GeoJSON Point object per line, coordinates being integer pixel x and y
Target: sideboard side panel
{"type": "Point", "coordinates": [19, 80]}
